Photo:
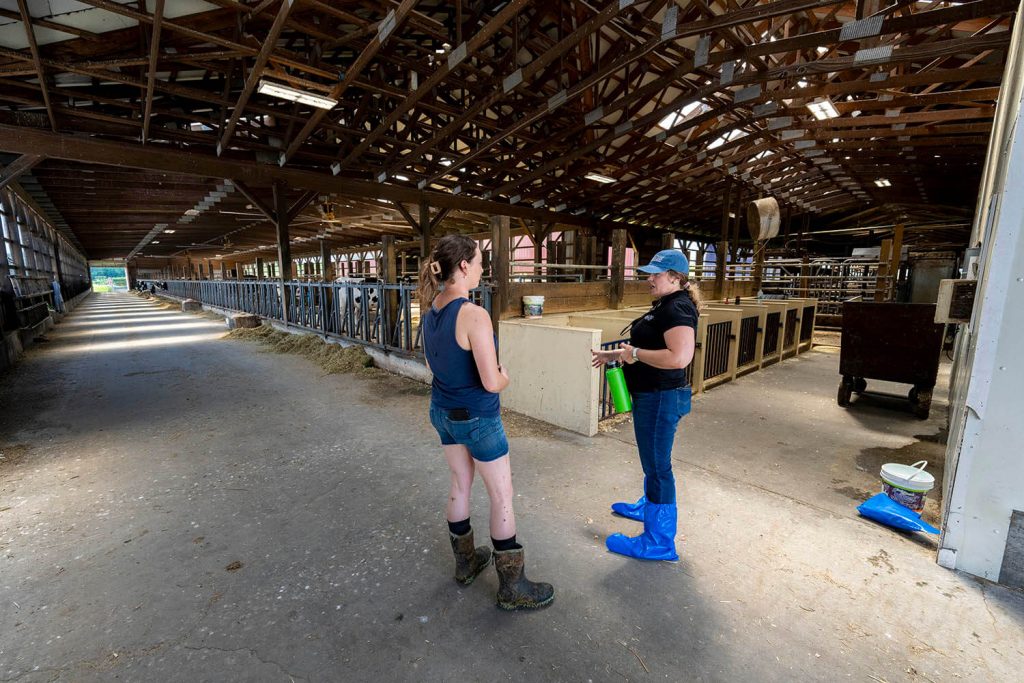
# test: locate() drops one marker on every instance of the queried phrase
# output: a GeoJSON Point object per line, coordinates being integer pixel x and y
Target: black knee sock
{"type": "Point", "coordinates": [505, 544]}
{"type": "Point", "coordinates": [460, 528]}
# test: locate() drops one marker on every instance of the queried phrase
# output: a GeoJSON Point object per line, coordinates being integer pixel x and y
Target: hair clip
{"type": "Point", "coordinates": [435, 267]}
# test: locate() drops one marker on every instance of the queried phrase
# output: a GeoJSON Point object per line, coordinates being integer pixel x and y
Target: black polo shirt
{"type": "Point", "coordinates": [648, 332]}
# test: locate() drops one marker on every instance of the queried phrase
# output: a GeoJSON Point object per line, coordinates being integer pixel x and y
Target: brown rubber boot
{"type": "Point", "coordinates": [515, 591]}
{"type": "Point", "coordinates": [469, 561]}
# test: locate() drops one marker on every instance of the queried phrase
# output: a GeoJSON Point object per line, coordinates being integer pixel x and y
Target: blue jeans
{"type": "Point", "coordinates": [483, 436]}
{"type": "Point", "coordinates": [656, 415]}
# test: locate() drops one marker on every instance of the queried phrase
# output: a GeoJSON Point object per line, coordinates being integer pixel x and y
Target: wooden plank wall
{"type": "Point", "coordinates": [569, 297]}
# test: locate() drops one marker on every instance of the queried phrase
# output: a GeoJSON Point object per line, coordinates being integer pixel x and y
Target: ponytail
{"type": "Point", "coordinates": [693, 290]}
{"type": "Point", "coordinates": [444, 261]}
{"type": "Point", "coordinates": [429, 284]}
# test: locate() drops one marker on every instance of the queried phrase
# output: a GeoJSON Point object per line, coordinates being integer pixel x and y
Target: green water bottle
{"type": "Point", "coordinates": [617, 387]}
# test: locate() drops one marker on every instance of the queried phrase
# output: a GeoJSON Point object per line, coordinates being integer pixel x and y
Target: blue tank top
{"type": "Point", "coordinates": [456, 379]}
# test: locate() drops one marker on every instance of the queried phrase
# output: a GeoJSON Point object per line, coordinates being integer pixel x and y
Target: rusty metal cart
{"type": "Point", "coordinates": [890, 342]}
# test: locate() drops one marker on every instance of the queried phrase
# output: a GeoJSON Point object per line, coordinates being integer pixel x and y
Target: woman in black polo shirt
{"type": "Point", "coordinates": [661, 344]}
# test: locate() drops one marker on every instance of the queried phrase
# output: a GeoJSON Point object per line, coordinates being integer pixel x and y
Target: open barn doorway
{"type": "Point", "coordinates": [108, 277]}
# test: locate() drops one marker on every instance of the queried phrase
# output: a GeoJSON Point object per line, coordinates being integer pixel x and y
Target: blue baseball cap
{"type": "Point", "coordinates": [667, 259]}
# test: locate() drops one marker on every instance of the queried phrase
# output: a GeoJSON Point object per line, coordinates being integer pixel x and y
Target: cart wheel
{"type": "Point", "coordinates": [843, 397]}
{"type": "Point", "coordinates": [860, 384]}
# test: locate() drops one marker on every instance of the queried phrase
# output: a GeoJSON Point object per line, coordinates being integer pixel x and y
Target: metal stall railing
{"type": "Point", "coordinates": [377, 314]}
{"type": "Point", "coordinates": [771, 352]}
{"type": "Point", "coordinates": [747, 353]}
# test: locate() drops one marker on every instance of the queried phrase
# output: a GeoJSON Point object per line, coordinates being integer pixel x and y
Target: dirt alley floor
{"type": "Point", "coordinates": [176, 506]}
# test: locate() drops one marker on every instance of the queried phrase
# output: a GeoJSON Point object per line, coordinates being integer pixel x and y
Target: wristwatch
{"type": "Point", "coordinates": [635, 357]}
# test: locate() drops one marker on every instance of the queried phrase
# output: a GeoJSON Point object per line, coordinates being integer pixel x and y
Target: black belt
{"type": "Point", "coordinates": [458, 414]}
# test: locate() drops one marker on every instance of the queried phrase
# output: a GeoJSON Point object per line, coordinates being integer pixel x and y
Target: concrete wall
{"type": "Point", "coordinates": [550, 374]}
{"type": "Point", "coordinates": [984, 468]}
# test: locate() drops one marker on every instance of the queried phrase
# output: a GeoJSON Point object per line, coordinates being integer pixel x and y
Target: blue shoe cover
{"type": "Point", "coordinates": [634, 511]}
{"type": "Point", "coordinates": [657, 542]}
{"type": "Point", "coordinates": [881, 508]}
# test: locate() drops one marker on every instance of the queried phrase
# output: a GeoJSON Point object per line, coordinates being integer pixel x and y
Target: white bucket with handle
{"type": "Point", "coordinates": [907, 484]}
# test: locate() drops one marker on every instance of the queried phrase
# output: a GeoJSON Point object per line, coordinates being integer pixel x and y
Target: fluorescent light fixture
{"type": "Point", "coordinates": [169, 231]}
{"type": "Point", "coordinates": [597, 177]}
{"type": "Point", "coordinates": [401, 177]}
{"type": "Point", "coordinates": [293, 95]}
{"type": "Point", "coordinates": [822, 108]}
{"type": "Point", "coordinates": [155, 242]}
{"type": "Point", "coordinates": [883, 182]}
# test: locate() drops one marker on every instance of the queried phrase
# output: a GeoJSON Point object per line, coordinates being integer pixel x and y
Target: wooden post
{"type": "Point", "coordinates": [737, 218]}
{"type": "Point", "coordinates": [618, 276]}
{"type": "Point", "coordinates": [389, 274]}
{"type": "Point", "coordinates": [723, 243]}
{"type": "Point", "coordinates": [805, 273]}
{"type": "Point", "coordinates": [537, 235]}
{"type": "Point", "coordinates": [284, 250]}
{"type": "Point", "coordinates": [499, 267]}
{"type": "Point", "coordinates": [424, 229]}
{"type": "Point", "coordinates": [882, 278]}
{"type": "Point", "coordinates": [238, 270]}
{"type": "Point", "coordinates": [591, 275]}
{"type": "Point", "coordinates": [668, 240]}
{"type": "Point", "coordinates": [259, 269]}
{"type": "Point", "coordinates": [223, 270]}
{"type": "Point", "coordinates": [759, 249]}
{"type": "Point", "coordinates": [894, 261]}
{"type": "Point", "coordinates": [325, 261]}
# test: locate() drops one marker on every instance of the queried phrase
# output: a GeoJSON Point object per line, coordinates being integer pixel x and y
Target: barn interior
{"type": "Point", "coordinates": [175, 504]}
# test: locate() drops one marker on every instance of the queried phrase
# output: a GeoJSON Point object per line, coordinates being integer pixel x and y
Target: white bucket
{"type": "Point", "coordinates": [907, 484]}
{"type": "Point", "coordinates": [533, 306]}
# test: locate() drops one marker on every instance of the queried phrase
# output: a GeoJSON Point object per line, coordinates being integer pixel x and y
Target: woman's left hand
{"type": "Point", "coordinates": [623, 354]}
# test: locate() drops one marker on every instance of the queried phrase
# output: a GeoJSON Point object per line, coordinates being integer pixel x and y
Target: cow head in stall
{"type": "Point", "coordinates": [350, 298]}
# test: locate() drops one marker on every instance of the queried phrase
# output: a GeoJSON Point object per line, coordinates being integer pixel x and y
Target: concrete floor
{"type": "Point", "coordinates": [178, 507]}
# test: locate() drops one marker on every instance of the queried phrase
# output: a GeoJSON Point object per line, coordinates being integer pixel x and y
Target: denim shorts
{"type": "Point", "coordinates": [483, 436]}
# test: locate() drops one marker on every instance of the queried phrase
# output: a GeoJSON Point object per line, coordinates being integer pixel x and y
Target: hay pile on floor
{"type": "Point", "coordinates": [331, 357]}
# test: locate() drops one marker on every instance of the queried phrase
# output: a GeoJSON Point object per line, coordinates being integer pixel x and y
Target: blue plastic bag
{"type": "Point", "coordinates": [881, 508]}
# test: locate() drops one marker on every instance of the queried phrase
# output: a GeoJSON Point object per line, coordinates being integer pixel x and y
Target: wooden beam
{"type": "Point", "coordinates": [255, 73]}
{"type": "Point", "coordinates": [154, 50]}
{"type": "Point", "coordinates": [30, 33]}
{"type": "Point", "coordinates": [479, 39]}
{"type": "Point", "coordinates": [63, 28]}
{"type": "Point", "coordinates": [301, 203]}
{"type": "Point", "coordinates": [260, 205]}
{"type": "Point", "coordinates": [438, 217]}
{"type": "Point", "coordinates": [351, 74]}
{"type": "Point", "coordinates": [17, 168]}
{"type": "Point", "coordinates": [19, 139]}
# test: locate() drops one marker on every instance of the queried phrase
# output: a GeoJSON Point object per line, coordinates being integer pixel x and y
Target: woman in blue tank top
{"type": "Point", "coordinates": [458, 343]}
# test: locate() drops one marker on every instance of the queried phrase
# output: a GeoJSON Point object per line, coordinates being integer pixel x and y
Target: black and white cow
{"type": "Point", "coordinates": [353, 297]}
